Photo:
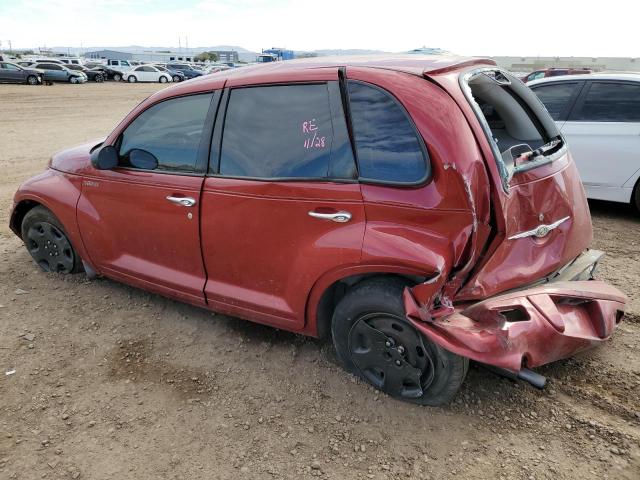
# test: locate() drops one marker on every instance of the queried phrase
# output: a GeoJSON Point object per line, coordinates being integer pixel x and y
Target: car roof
{"type": "Point", "coordinates": [635, 77]}
{"type": "Point", "coordinates": [406, 63]}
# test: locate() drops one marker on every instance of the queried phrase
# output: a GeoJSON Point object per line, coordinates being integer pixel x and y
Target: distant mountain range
{"type": "Point", "coordinates": [244, 54]}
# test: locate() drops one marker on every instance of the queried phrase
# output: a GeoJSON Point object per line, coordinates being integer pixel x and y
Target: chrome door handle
{"type": "Point", "coordinates": [340, 217]}
{"type": "Point", "coordinates": [182, 201]}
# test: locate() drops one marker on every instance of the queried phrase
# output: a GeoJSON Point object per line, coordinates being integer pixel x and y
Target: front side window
{"type": "Point", "coordinates": [281, 132]}
{"type": "Point", "coordinates": [610, 102]}
{"type": "Point", "coordinates": [556, 97]}
{"type": "Point", "coordinates": [387, 144]}
{"type": "Point", "coordinates": [170, 130]}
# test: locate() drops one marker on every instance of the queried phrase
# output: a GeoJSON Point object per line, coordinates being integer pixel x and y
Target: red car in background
{"type": "Point", "coordinates": [422, 211]}
{"type": "Point", "coordinates": [554, 72]}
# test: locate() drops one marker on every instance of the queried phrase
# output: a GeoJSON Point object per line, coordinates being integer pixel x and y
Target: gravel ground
{"type": "Point", "coordinates": [112, 382]}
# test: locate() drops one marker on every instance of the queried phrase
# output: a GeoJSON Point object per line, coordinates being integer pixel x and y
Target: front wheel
{"type": "Point", "coordinates": [73, 80]}
{"type": "Point", "coordinates": [47, 242]}
{"type": "Point", "coordinates": [117, 77]}
{"type": "Point", "coordinates": [32, 80]}
{"type": "Point", "coordinates": [132, 79]}
{"type": "Point", "coordinates": [374, 341]}
{"type": "Point", "coordinates": [163, 79]}
{"type": "Point", "coordinates": [176, 78]}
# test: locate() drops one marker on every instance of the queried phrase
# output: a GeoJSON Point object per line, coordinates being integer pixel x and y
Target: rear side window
{"type": "Point", "coordinates": [281, 131]}
{"type": "Point", "coordinates": [170, 130]}
{"type": "Point", "coordinates": [387, 144]}
{"type": "Point", "coordinates": [609, 102]}
{"type": "Point", "coordinates": [556, 97]}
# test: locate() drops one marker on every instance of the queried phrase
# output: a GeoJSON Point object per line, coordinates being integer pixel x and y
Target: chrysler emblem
{"type": "Point", "coordinates": [540, 231]}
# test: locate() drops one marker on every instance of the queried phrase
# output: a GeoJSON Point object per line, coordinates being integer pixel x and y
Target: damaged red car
{"type": "Point", "coordinates": [420, 211]}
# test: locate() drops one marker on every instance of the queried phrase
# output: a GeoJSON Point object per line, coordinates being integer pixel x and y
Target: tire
{"type": "Point", "coordinates": [98, 78]}
{"type": "Point", "coordinates": [73, 80]}
{"type": "Point", "coordinates": [635, 197]}
{"type": "Point", "coordinates": [117, 77]}
{"type": "Point", "coordinates": [132, 79]}
{"type": "Point", "coordinates": [374, 341]}
{"type": "Point", "coordinates": [163, 79]}
{"type": "Point", "coordinates": [176, 78]}
{"type": "Point", "coordinates": [48, 244]}
{"type": "Point", "coordinates": [32, 80]}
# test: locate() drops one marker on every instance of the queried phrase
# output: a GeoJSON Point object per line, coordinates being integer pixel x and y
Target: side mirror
{"type": "Point", "coordinates": [105, 158]}
{"type": "Point", "coordinates": [142, 159]}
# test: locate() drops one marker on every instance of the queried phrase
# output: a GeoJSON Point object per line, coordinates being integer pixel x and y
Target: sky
{"type": "Point", "coordinates": [522, 28]}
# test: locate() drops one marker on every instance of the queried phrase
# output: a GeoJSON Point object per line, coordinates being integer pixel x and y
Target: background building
{"type": "Point", "coordinates": [160, 57]}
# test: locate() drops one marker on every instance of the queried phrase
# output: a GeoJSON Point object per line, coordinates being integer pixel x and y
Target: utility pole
{"type": "Point", "coordinates": [10, 48]}
{"type": "Point", "coordinates": [179, 44]}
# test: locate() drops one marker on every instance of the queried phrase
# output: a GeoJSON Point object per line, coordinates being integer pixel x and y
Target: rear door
{"type": "Point", "coordinates": [282, 205]}
{"type": "Point", "coordinates": [603, 132]}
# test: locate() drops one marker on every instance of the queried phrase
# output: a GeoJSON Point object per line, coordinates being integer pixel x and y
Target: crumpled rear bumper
{"type": "Point", "coordinates": [529, 327]}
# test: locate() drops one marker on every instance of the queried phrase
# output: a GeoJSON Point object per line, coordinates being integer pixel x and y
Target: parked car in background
{"type": "Point", "coordinates": [12, 73]}
{"type": "Point", "coordinates": [188, 70]}
{"type": "Point", "coordinates": [71, 61]}
{"type": "Point", "coordinates": [97, 75]}
{"type": "Point", "coordinates": [599, 115]}
{"type": "Point", "coordinates": [554, 72]}
{"type": "Point", "coordinates": [112, 74]}
{"type": "Point", "coordinates": [176, 75]}
{"type": "Point", "coordinates": [121, 65]}
{"type": "Point", "coordinates": [461, 232]}
{"type": "Point", "coordinates": [57, 72]}
{"type": "Point", "coordinates": [147, 73]}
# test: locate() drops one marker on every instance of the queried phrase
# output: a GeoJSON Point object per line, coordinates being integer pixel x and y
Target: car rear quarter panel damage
{"type": "Point", "coordinates": [440, 226]}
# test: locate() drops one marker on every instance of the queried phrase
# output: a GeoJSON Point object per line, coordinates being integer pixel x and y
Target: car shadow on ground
{"type": "Point", "coordinates": [613, 210]}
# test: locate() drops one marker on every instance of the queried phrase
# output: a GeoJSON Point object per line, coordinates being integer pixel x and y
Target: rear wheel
{"type": "Point", "coordinates": [47, 242]}
{"type": "Point", "coordinates": [117, 77]}
{"type": "Point", "coordinates": [374, 341]}
{"type": "Point", "coordinates": [99, 78]}
{"type": "Point", "coordinates": [635, 198]}
{"type": "Point", "coordinates": [32, 80]}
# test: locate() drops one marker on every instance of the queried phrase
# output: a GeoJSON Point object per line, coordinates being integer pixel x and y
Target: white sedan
{"type": "Point", "coordinates": [599, 115]}
{"type": "Point", "coordinates": [146, 73]}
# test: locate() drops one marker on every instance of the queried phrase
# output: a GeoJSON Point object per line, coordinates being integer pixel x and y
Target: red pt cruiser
{"type": "Point", "coordinates": [422, 211]}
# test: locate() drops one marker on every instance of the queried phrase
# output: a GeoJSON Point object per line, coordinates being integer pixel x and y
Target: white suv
{"type": "Point", "coordinates": [599, 115]}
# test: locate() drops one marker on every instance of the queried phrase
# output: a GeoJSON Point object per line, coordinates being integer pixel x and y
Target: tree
{"type": "Point", "coordinates": [204, 56]}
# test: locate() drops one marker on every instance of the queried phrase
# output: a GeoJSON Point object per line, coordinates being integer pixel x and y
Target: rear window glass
{"type": "Point", "coordinates": [556, 97]}
{"type": "Point", "coordinates": [610, 102]}
{"type": "Point", "coordinates": [387, 144]}
{"type": "Point", "coordinates": [277, 132]}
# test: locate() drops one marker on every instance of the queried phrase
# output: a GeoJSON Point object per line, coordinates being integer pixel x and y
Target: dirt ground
{"type": "Point", "coordinates": [112, 382]}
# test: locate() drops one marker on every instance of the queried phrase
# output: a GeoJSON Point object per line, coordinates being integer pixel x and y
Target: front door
{"type": "Point", "coordinates": [282, 207]}
{"type": "Point", "coordinates": [142, 226]}
{"type": "Point", "coordinates": [10, 73]}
